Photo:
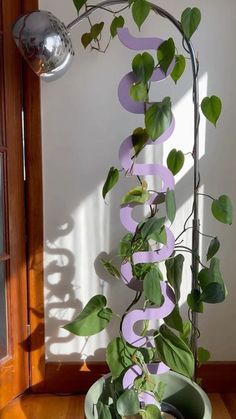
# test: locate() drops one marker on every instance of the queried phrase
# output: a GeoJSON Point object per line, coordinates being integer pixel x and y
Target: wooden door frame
{"type": "Point", "coordinates": [34, 216]}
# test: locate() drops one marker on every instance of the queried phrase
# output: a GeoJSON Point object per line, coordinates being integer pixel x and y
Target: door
{"type": "Point", "coordinates": [14, 373]}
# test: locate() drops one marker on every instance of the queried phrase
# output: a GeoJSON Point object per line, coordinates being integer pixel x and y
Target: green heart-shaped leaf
{"type": "Point", "coordinates": [222, 209]}
{"type": "Point", "coordinates": [175, 161]}
{"type": "Point", "coordinates": [165, 54]}
{"type": "Point", "coordinates": [190, 20]}
{"type": "Point", "coordinates": [141, 269]}
{"type": "Point", "coordinates": [111, 181]}
{"type": "Point", "coordinates": [96, 29]}
{"type": "Point", "coordinates": [213, 248]}
{"type": "Point", "coordinates": [138, 92]}
{"type": "Point", "coordinates": [118, 22]}
{"type": "Point", "coordinates": [159, 236]}
{"type": "Point", "coordinates": [170, 205]}
{"type": "Point", "coordinates": [160, 390]}
{"type": "Point", "coordinates": [174, 320]}
{"type": "Point", "coordinates": [143, 66]}
{"type": "Point", "coordinates": [150, 226]}
{"type": "Point", "coordinates": [140, 11]}
{"type": "Point", "coordinates": [78, 4]}
{"type": "Point", "coordinates": [92, 319]}
{"type": "Point", "coordinates": [139, 139]}
{"type": "Point", "coordinates": [138, 194]}
{"type": "Point", "coordinates": [211, 108]}
{"type": "Point", "coordinates": [103, 411]}
{"type": "Point", "coordinates": [152, 286]}
{"type": "Point", "coordinates": [178, 70]}
{"type": "Point", "coordinates": [211, 274]}
{"type": "Point", "coordinates": [185, 336]}
{"type": "Point", "coordinates": [153, 385]}
{"type": "Point", "coordinates": [158, 118]}
{"type": "Point", "coordinates": [174, 352]}
{"type": "Point", "coordinates": [174, 270]}
{"type": "Point", "coordinates": [151, 412]}
{"type": "Point", "coordinates": [125, 249]}
{"type": "Point", "coordinates": [128, 403]}
{"type": "Point", "coordinates": [212, 284]}
{"type": "Point", "coordinates": [119, 356]}
{"type": "Point", "coordinates": [203, 355]}
{"type": "Point", "coordinates": [86, 39]}
{"type": "Point", "coordinates": [110, 268]}
{"type": "Point", "coordinates": [194, 302]}
{"type": "Point", "coordinates": [214, 293]}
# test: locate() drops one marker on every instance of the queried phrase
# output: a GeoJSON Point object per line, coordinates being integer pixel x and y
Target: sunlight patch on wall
{"type": "Point", "coordinates": [182, 138]}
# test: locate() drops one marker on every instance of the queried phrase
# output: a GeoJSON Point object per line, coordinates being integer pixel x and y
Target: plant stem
{"type": "Point", "coordinates": [205, 194]}
{"type": "Point", "coordinates": [114, 12]}
{"type": "Point", "coordinates": [206, 235]}
{"type": "Point", "coordinates": [182, 232]}
{"type": "Point", "coordinates": [183, 247]}
{"type": "Point", "coordinates": [189, 152]}
{"type": "Point", "coordinates": [135, 300]}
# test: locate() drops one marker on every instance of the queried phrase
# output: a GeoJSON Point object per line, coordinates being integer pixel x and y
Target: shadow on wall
{"type": "Point", "coordinates": [59, 275]}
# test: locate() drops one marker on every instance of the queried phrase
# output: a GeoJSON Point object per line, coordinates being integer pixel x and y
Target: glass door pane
{"type": "Point", "coordinates": [2, 215]}
{"type": "Point", "coordinates": [3, 292]}
{"type": "Point", "coordinates": [3, 313]}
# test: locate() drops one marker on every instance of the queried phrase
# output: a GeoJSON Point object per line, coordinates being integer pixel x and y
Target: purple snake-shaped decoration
{"type": "Point", "coordinates": [130, 224]}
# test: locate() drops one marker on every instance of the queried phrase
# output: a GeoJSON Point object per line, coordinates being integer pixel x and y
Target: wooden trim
{"type": "Point", "coordinates": [217, 377]}
{"type": "Point", "coordinates": [70, 378]}
{"type": "Point", "coordinates": [34, 216]}
{"type": "Point", "coordinates": [4, 257]}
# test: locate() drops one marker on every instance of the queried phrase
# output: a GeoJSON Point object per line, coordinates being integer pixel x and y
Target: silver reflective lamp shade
{"type": "Point", "coordinates": [44, 42]}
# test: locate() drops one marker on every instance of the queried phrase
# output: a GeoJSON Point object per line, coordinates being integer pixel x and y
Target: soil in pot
{"type": "Point", "coordinates": [170, 412]}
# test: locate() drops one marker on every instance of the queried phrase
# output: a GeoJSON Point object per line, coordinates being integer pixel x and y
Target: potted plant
{"type": "Point", "coordinates": [152, 371]}
{"type": "Point", "coordinates": [139, 362]}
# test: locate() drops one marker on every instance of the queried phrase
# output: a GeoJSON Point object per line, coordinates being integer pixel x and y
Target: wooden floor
{"type": "Point", "coordinates": [71, 407]}
{"type": "Point", "coordinates": [224, 405]}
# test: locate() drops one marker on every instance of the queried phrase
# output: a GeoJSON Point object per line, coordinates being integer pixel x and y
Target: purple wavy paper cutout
{"type": "Point", "coordinates": [141, 169]}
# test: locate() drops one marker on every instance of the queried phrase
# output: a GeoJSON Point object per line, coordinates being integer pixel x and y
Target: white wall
{"type": "Point", "coordinates": [83, 126]}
